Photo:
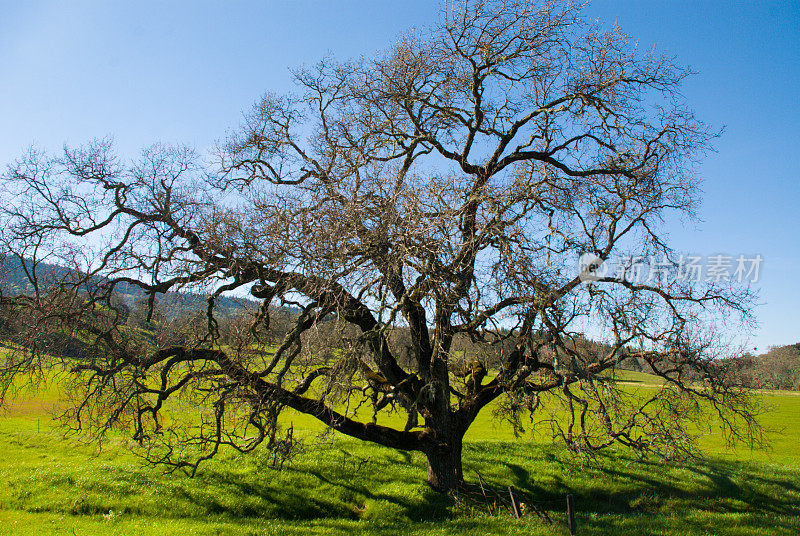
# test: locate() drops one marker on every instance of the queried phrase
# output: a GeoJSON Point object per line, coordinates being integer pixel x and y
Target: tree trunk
{"type": "Point", "coordinates": [444, 462]}
{"type": "Point", "coordinates": [444, 467]}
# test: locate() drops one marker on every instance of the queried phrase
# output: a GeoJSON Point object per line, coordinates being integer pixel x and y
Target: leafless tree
{"type": "Point", "coordinates": [445, 187]}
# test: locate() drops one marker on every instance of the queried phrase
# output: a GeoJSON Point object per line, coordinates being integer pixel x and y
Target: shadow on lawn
{"type": "Point", "coordinates": [343, 489]}
{"type": "Point", "coordinates": [389, 486]}
{"type": "Point", "coordinates": [338, 482]}
{"type": "Point", "coordinates": [614, 489]}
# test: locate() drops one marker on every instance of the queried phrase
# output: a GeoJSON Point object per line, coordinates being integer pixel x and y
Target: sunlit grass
{"type": "Point", "coordinates": [56, 484]}
{"type": "Point", "coordinates": [340, 486]}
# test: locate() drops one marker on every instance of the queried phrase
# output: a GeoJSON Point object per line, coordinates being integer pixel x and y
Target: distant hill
{"type": "Point", "coordinates": [777, 368]}
{"type": "Point", "coordinates": [14, 280]}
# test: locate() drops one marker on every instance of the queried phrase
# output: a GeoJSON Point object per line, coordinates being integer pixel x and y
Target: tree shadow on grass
{"type": "Point", "coordinates": [344, 482]}
{"type": "Point", "coordinates": [611, 484]}
{"type": "Point", "coordinates": [650, 495]}
{"type": "Point", "coordinates": [387, 485]}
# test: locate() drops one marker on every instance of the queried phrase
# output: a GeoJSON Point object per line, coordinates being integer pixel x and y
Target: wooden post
{"type": "Point", "coordinates": [483, 490]}
{"type": "Point", "coordinates": [571, 516]}
{"type": "Point", "coordinates": [514, 503]}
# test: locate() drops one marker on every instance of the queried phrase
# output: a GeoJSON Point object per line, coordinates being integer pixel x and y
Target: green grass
{"type": "Point", "coordinates": [51, 484]}
{"type": "Point", "coordinates": [631, 376]}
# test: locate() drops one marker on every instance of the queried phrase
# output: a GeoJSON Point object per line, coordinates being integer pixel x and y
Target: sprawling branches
{"type": "Point", "coordinates": [421, 213]}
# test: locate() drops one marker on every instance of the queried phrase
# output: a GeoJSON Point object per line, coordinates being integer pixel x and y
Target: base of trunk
{"type": "Point", "coordinates": [444, 469]}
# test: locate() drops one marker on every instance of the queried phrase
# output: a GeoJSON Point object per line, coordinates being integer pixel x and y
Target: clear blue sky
{"type": "Point", "coordinates": [183, 72]}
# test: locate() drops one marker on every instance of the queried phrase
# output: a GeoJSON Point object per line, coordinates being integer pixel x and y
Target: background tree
{"type": "Point", "coordinates": [445, 189]}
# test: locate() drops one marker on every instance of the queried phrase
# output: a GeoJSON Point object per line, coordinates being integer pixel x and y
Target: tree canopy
{"type": "Point", "coordinates": [440, 191]}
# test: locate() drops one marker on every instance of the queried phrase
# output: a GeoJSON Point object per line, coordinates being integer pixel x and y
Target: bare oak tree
{"type": "Point", "coordinates": [442, 190]}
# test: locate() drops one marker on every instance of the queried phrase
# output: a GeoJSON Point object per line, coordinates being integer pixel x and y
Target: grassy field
{"type": "Point", "coordinates": [53, 484]}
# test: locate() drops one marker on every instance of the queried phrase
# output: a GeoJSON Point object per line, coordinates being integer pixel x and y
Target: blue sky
{"type": "Point", "coordinates": [184, 71]}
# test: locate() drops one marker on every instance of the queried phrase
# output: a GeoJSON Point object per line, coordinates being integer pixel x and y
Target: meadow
{"type": "Point", "coordinates": [54, 483]}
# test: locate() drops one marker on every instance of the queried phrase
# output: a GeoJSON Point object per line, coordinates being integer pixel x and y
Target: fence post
{"type": "Point", "coordinates": [571, 515]}
{"type": "Point", "coordinates": [514, 503]}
